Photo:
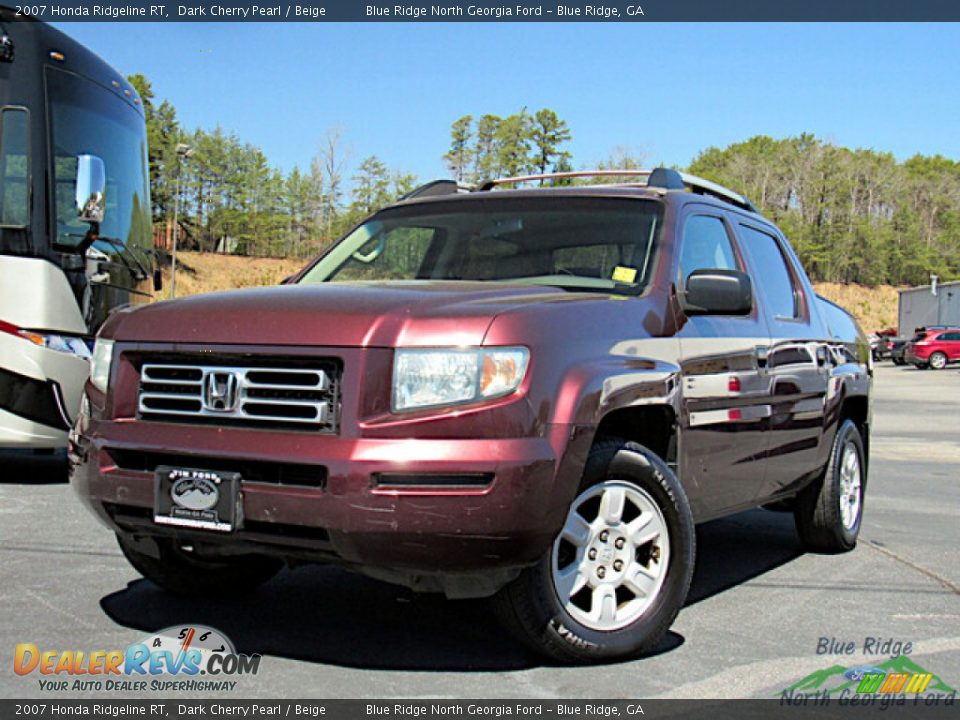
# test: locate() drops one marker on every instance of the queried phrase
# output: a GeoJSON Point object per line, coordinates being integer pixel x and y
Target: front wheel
{"type": "Point", "coordinates": [829, 511]}
{"type": "Point", "coordinates": [618, 573]}
{"type": "Point", "coordinates": [182, 572]}
{"type": "Point", "coordinates": [938, 361]}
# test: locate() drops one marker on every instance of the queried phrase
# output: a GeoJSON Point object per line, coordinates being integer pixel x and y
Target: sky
{"type": "Point", "coordinates": [665, 91]}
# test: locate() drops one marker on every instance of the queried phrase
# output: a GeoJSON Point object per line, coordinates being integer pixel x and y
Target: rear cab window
{"type": "Point", "coordinates": [774, 277]}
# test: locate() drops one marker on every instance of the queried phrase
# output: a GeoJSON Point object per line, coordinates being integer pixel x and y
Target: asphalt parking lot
{"type": "Point", "coordinates": [757, 611]}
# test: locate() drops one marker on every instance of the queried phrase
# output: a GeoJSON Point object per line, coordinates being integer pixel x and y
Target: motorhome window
{"type": "Point", "coordinates": [14, 168]}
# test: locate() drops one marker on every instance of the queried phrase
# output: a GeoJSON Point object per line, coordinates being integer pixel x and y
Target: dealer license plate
{"type": "Point", "coordinates": [203, 499]}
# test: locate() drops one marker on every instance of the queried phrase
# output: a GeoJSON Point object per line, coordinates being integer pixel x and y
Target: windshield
{"type": "Point", "coordinates": [87, 119]}
{"type": "Point", "coordinates": [592, 244]}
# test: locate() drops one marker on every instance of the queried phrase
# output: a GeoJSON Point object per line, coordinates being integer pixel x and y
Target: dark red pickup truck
{"type": "Point", "coordinates": [526, 394]}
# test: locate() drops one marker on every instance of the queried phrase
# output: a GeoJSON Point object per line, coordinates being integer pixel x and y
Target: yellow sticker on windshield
{"type": "Point", "coordinates": [623, 274]}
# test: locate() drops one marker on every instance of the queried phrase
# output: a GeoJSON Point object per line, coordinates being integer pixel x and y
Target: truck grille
{"type": "Point", "coordinates": [302, 397]}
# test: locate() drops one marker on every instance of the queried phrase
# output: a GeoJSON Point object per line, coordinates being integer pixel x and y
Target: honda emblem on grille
{"type": "Point", "coordinates": [220, 391]}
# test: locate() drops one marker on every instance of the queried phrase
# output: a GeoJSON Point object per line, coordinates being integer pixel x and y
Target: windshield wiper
{"type": "Point", "coordinates": [143, 274]}
{"type": "Point", "coordinates": [139, 273]}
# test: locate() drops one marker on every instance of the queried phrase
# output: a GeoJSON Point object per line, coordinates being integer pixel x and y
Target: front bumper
{"type": "Point", "coordinates": [505, 518]}
{"type": "Point", "coordinates": [40, 392]}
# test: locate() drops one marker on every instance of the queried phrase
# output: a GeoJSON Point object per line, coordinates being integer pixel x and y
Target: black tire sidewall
{"type": "Point", "coordinates": [848, 434]}
{"type": "Point", "coordinates": [633, 464]}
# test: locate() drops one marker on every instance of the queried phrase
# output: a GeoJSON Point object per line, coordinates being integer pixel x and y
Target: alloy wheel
{"type": "Point", "coordinates": [850, 486]}
{"type": "Point", "coordinates": [611, 558]}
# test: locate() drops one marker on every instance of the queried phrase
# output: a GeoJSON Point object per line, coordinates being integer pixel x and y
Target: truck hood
{"type": "Point", "coordinates": [385, 314]}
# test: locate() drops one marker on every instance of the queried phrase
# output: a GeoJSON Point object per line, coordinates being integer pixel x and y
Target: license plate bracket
{"type": "Point", "coordinates": [195, 498]}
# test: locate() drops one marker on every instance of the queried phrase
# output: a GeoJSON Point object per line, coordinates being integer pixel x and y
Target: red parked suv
{"type": "Point", "coordinates": [933, 347]}
{"type": "Point", "coordinates": [532, 395]}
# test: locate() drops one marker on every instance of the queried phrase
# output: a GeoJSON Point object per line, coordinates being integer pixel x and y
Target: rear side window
{"type": "Point", "coordinates": [773, 275]}
{"type": "Point", "coordinates": [706, 245]}
{"type": "Point", "coordinates": [14, 168]}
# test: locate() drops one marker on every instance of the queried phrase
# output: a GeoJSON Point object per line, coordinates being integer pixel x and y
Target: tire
{"type": "Point", "coordinates": [899, 361]}
{"type": "Point", "coordinates": [177, 572]}
{"type": "Point", "coordinates": [830, 510]}
{"type": "Point", "coordinates": [938, 361]}
{"type": "Point", "coordinates": [638, 489]}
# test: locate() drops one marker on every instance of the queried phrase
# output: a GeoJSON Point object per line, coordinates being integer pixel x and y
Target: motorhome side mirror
{"type": "Point", "coordinates": [718, 292]}
{"type": "Point", "coordinates": [157, 280]}
{"type": "Point", "coordinates": [91, 189]}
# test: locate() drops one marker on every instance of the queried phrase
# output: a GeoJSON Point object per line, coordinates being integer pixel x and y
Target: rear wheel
{"type": "Point", "coordinates": [899, 361]}
{"type": "Point", "coordinates": [938, 361]}
{"type": "Point", "coordinates": [618, 573]}
{"type": "Point", "coordinates": [829, 511]}
{"type": "Point", "coordinates": [181, 572]}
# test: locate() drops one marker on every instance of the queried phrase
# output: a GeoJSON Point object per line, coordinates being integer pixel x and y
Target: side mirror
{"type": "Point", "coordinates": [718, 292]}
{"type": "Point", "coordinates": [91, 189]}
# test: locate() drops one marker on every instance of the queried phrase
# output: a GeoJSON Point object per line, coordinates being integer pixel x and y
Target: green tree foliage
{"type": "Point", "coordinates": [163, 132]}
{"type": "Point", "coordinates": [371, 186]}
{"type": "Point", "coordinates": [548, 133]}
{"type": "Point", "coordinates": [458, 158]}
{"type": "Point", "coordinates": [232, 200]}
{"type": "Point", "coordinates": [852, 215]}
{"type": "Point", "coordinates": [495, 146]}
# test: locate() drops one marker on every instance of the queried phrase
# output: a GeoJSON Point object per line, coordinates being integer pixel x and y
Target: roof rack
{"type": "Point", "coordinates": [663, 178]}
{"type": "Point", "coordinates": [437, 187]}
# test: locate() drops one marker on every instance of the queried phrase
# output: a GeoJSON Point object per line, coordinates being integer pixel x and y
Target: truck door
{"type": "Point", "coordinates": [798, 363]}
{"type": "Point", "coordinates": [726, 401]}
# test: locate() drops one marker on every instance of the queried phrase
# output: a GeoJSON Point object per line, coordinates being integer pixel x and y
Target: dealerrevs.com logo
{"type": "Point", "coordinates": [183, 658]}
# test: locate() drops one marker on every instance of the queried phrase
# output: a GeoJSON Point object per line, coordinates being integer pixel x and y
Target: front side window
{"type": "Point", "coordinates": [88, 119]}
{"type": "Point", "coordinates": [774, 278]}
{"type": "Point", "coordinates": [585, 244]}
{"type": "Point", "coordinates": [706, 246]}
{"type": "Point", "coordinates": [14, 168]}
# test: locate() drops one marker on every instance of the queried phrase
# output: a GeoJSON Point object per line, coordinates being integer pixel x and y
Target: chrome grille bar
{"type": "Point", "coordinates": [305, 396]}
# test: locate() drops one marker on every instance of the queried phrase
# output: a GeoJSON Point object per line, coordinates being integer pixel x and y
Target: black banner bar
{"type": "Point", "coordinates": [490, 11]}
{"type": "Point", "coordinates": [799, 707]}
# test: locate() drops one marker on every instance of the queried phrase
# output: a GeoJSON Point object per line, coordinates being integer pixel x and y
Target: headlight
{"type": "Point", "coordinates": [433, 378]}
{"type": "Point", "coordinates": [70, 344]}
{"type": "Point", "coordinates": [100, 364]}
